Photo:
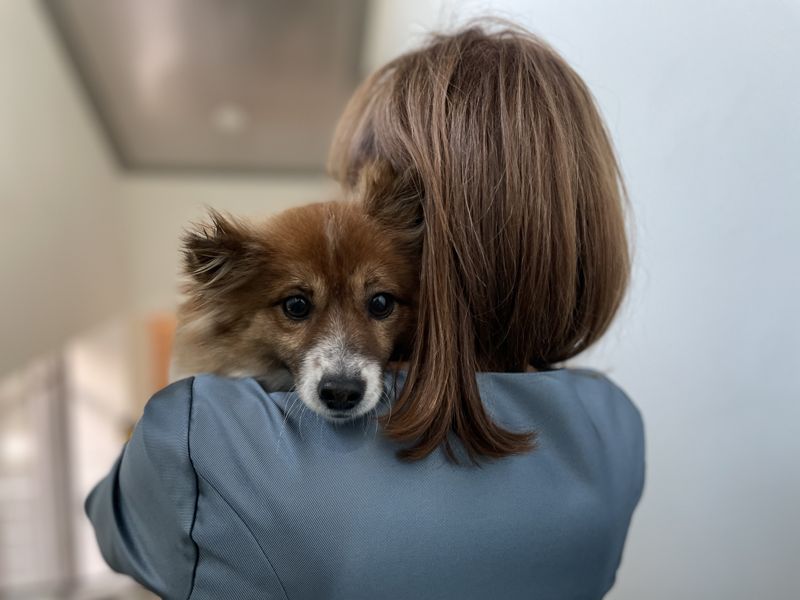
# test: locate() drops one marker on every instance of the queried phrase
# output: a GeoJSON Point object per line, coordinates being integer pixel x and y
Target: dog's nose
{"type": "Point", "coordinates": [341, 393]}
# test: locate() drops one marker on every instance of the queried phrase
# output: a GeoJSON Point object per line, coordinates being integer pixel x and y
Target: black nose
{"type": "Point", "coordinates": [341, 393]}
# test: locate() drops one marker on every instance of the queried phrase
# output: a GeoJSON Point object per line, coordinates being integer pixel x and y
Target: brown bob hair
{"type": "Point", "coordinates": [524, 259]}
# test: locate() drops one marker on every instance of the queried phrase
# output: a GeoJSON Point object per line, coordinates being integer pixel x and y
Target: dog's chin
{"type": "Point", "coordinates": [340, 416]}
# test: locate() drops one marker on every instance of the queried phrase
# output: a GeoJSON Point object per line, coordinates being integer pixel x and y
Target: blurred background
{"type": "Point", "coordinates": [121, 120]}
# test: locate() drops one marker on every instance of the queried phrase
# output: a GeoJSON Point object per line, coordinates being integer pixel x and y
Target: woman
{"type": "Point", "coordinates": [495, 475]}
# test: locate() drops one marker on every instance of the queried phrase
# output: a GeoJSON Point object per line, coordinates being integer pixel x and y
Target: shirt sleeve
{"type": "Point", "coordinates": [632, 440]}
{"type": "Point", "coordinates": [621, 435]}
{"type": "Point", "coordinates": [144, 510]}
{"type": "Point", "coordinates": [621, 444]}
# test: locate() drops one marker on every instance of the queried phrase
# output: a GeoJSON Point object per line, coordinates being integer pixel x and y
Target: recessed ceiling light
{"type": "Point", "coordinates": [229, 118]}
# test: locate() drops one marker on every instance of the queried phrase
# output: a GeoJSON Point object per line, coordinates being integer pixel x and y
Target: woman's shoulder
{"type": "Point", "coordinates": [604, 400]}
{"type": "Point", "coordinates": [616, 419]}
{"type": "Point", "coordinates": [537, 397]}
{"type": "Point", "coordinates": [184, 391]}
{"type": "Point", "coordinates": [176, 404]}
{"type": "Point", "coordinates": [577, 414]}
{"type": "Point", "coordinates": [272, 473]}
{"type": "Point", "coordinates": [572, 411]}
{"type": "Point", "coordinates": [573, 390]}
{"type": "Point", "coordinates": [508, 396]}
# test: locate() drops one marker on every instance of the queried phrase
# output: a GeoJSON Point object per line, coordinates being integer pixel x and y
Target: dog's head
{"type": "Point", "coordinates": [320, 297]}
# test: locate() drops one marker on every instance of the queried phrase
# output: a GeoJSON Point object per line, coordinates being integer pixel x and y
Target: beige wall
{"type": "Point", "coordinates": [158, 208]}
{"type": "Point", "coordinates": [82, 241]}
{"type": "Point", "coordinates": [59, 213]}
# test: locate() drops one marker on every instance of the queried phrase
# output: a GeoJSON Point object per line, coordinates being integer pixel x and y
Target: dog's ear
{"type": "Point", "coordinates": [220, 254]}
{"type": "Point", "coordinates": [392, 198]}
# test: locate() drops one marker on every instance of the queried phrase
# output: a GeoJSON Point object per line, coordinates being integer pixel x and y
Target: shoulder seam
{"type": "Point", "coordinates": [196, 489]}
{"type": "Point", "coordinates": [197, 477]}
{"type": "Point", "coordinates": [250, 531]}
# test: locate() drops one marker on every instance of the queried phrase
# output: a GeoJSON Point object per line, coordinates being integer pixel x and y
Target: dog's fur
{"type": "Point", "coordinates": [337, 255]}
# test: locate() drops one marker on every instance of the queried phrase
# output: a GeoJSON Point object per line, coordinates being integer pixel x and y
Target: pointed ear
{"type": "Point", "coordinates": [221, 253]}
{"type": "Point", "coordinates": [393, 199]}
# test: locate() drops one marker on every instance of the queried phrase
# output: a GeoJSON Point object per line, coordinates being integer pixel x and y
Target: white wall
{"type": "Point", "coordinates": [703, 102]}
{"type": "Point", "coordinates": [60, 269]}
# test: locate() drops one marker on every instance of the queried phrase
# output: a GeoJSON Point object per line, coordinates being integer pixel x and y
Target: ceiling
{"type": "Point", "coordinates": [220, 85]}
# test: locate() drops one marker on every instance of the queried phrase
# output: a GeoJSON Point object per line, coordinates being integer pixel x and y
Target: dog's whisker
{"type": "Point", "coordinates": [292, 404]}
{"type": "Point", "coordinates": [367, 418]}
{"type": "Point", "coordinates": [286, 414]}
{"type": "Point", "coordinates": [387, 399]}
{"type": "Point", "coordinates": [374, 415]}
{"type": "Point", "coordinates": [303, 409]}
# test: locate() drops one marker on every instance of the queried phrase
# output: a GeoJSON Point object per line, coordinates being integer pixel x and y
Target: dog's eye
{"type": "Point", "coordinates": [380, 306]}
{"type": "Point", "coordinates": [296, 307]}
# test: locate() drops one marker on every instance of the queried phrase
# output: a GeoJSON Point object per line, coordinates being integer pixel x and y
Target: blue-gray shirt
{"type": "Point", "coordinates": [226, 491]}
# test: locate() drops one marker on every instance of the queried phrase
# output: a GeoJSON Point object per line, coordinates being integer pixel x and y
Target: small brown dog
{"type": "Point", "coordinates": [317, 298]}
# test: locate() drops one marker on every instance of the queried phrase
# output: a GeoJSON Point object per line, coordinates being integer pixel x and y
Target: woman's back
{"type": "Point", "coordinates": [493, 146]}
{"type": "Point", "coordinates": [226, 491]}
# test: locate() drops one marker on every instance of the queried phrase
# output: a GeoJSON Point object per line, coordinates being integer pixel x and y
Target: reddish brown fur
{"type": "Point", "coordinates": [338, 254]}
